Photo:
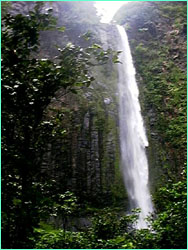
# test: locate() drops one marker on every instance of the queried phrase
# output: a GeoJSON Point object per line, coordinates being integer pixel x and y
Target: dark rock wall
{"type": "Point", "coordinates": [86, 159]}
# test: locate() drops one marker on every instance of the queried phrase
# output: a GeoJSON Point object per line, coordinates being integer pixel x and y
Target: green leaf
{"type": "Point", "coordinates": [61, 29]}
{"type": "Point", "coordinates": [96, 46]}
{"type": "Point", "coordinates": [16, 201]}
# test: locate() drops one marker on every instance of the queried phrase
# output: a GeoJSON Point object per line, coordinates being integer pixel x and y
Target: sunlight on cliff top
{"type": "Point", "coordinates": [107, 9]}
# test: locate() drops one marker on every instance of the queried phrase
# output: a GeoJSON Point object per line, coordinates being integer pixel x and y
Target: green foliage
{"type": "Point", "coordinates": [104, 226]}
{"type": "Point", "coordinates": [5, 6]}
{"type": "Point", "coordinates": [159, 51]}
{"type": "Point", "coordinates": [170, 224]}
{"type": "Point", "coordinates": [161, 66]}
{"type": "Point", "coordinates": [59, 239]}
{"type": "Point", "coordinates": [108, 230]}
{"type": "Point", "coordinates": [28, 86]}
{"type": "Point", "coordinates": [21, 115]}
{"type": "Point", "coordinates": [108, 224]}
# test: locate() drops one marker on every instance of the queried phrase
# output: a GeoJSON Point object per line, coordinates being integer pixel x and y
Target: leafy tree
{"type": "Point", "coordinates": [171, 222]}
{"type": "Point", "coordinates": [112, 231]}
{"type": "Point", "coordinates": [108, 230]}
{"type": "Point", "coordinates": [108, 224]}
{"type": "Point", "coordinates": [28, 85]}
{"type": "Point", "coordinates": [22, 108]}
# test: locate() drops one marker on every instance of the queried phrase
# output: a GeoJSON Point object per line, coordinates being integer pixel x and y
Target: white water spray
{"type": "Point", "coordinates": [132, 135]}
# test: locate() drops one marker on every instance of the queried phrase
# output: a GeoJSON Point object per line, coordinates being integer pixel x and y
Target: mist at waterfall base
{"type": "Point", "coordinates": [133, 139]}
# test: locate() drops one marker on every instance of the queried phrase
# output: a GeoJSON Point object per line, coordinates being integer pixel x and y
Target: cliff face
{"type": "Point", "coordinates": [85, 159]}
{"type": "Point", "coordinates": [157, 35]}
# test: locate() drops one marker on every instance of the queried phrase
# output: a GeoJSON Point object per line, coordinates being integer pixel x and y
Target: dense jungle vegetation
{"type": "Point", "coordinates": [36, 208]}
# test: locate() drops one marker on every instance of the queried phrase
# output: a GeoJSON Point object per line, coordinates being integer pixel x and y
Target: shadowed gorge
{"type": "Point", "coordinates": [93, 126]}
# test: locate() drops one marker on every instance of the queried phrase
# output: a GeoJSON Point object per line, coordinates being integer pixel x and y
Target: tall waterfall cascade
{"type": "Point", "coordinates": [133, 139]}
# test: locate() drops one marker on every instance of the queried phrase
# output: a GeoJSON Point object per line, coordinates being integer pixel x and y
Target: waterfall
{"type": "Point", "coordinates": [133, 139]}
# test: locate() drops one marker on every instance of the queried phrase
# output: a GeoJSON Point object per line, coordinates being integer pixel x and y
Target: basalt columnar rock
{"type": "Point", "coordinates": [85, 159]}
